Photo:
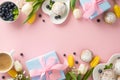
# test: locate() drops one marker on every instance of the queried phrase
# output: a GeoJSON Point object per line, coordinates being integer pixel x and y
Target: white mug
{"type": "Point", "coordinates": [12, 61]}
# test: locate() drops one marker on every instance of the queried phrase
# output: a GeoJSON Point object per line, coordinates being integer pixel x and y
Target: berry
{"type": "Point", "coordinates": [43, 20]}
{"type": "Point", "coordinates": [76, 62]}
{"type": "Point", "coordinates": [98, 20]}
{"type": "Point", "coordinates": [48, 7]}
{"type": "Point", "coordinates": [21, 54]}
{"type": "Point", "coordinates": [74, 53]}
{"type": "Point", "coordinates": [3, 77]}
{"type": "Point", "coordinates": [64, 55]}
{"type": "Point", "coordinates": [56, 17]}
{"type": "Point", "coordinates": [100, 70]}
{"type": "Point", "coordinates": [59, 16]}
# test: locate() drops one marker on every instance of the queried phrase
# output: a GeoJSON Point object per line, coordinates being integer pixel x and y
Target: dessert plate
{"type": "Point", "coordinates": [52, 15]}
{"type": "Point", "coordinates": [96, 74]}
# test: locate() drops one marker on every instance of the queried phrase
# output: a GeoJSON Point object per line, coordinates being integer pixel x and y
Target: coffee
{"type": "Point", "coordinates": [5, 61]}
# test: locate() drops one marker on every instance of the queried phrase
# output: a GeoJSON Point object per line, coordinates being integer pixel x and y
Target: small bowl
{"type": "Point", "coordinates": [96, 75]}
{"type": "Point", "coordinates": [13, 12]}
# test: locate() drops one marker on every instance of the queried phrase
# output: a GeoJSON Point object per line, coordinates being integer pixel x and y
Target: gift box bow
{"type": "Point", "coordinates": [47, 66]}
{"type": "Point", "coordinates": [91, 7]}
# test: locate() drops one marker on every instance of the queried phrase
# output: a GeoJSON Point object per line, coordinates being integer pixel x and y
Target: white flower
{"type": "Point", "coordinates": [18, 66]}
{"type": "Point", "coordinates": [82, 69]}
{"type": "Point", "coordinates": [27, 8]}
{"type": "Point", "coordinates": [77, 13]}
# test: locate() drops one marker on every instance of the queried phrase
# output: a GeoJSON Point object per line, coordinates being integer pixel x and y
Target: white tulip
{"type": "Point", "coordinates": [82, 69]}
{"type": "Point", "coordinates": [27, 8]}
{"type": "Point", "coordinates": [18, 66]}
{"type": "Point", "coordinates": [77, 13]}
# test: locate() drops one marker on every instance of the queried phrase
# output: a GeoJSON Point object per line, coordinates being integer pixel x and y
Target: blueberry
{"type": "Point", "coordinates": [53, 2]}
{"type": "Point", "coordinates": [74, 53]}
{"type": "Point", "coordinates": [48, 7]}
{"type": "Point", "coordinates": [64, 55]}
{"type": "Point", "coordinates": [3, 18]}
{"type": "Point", "coordinates": [59, 16]}
{"type": "Point", "coordinates": [3, 8]}
{"type": "Point", "coordinates": [11, 19]}
{"type": "Point", "coordinates": [100, 70]}
{"type": "Point", "coordinates": [76, 62]}
{"type": "Point", "coordinates": [56, 17]}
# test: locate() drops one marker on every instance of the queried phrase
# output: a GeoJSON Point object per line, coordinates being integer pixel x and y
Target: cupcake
{"type": "Point", "coordinates": [108, 74]}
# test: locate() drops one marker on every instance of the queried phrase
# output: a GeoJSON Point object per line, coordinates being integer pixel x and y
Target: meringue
{"type": "Point", "coordinates": [110, 18]}
{"type": "Point", "coordinates": [86, 55]}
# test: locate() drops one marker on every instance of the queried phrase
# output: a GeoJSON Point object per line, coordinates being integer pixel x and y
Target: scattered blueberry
{"type": "Point", "coordinates": [76, 62]}
{"type": "Point", "coordinates": [100, 70]}
{"type": "Point", "coordinates": [3, 77]}
{"type": "Point", "coordinates": [21, 54]}
{"type": "Point", "coordinates": [98, 20]}
{"type": "Point", "coordinates": [64, 54]}
{"type": "Point", "coordinates": [40, 15]}
{"type": "Point", "coordinates": [43, 20]}
{"type": "Point", "coordinates": [74, 53]}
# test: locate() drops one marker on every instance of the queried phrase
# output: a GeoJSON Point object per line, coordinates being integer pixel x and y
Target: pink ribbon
{"type": "Point", "coordinates": [46, 67]}
{"type": "Point", "coordinates": [91, 7]}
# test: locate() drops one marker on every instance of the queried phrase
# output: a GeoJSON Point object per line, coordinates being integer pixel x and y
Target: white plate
{"type": "Point", "coordinates": [96, 74]}
{"type": "Point", "coordinates": [52, 15]}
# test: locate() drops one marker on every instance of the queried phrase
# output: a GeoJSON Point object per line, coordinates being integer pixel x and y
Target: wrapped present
{"type": "Point", "coordinates": [93, 8]}
{"type": "Point", "coordinates": [46, 67]}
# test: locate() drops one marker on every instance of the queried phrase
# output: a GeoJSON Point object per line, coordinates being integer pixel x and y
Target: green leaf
{"type": "Point", "coordinates": [68, 77]}
{"type": "Point", "coordinates": [73, 75]}
{"type": "Point", "coordinates": [79, 77]}
{"type": "Point", "coordinates": [108, 66]}
{"type": "Point", "coordinates": [87, 75]}
{"type": "Point", "coordinates": [72, 4]}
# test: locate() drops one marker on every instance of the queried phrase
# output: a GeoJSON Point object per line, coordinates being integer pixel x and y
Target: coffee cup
{"type": "Point", "coordinates": [6, 61]}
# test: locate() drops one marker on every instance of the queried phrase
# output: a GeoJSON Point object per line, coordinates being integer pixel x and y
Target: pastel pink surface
{"type": "Point", "coordinates": [72, 36]}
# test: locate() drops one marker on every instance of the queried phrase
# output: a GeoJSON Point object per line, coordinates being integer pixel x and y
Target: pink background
{"type": "Point", "coordinates": [72, 36]}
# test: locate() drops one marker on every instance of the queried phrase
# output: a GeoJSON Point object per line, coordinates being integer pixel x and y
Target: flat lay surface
{"type": "Point", "coordinates": [71, 36]}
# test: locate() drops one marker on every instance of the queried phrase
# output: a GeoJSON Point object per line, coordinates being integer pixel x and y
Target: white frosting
{"type": "Point", "coordinates": [108, 75]}
{"type": "Point", "coordinates": [86, 56]}
{"type": "Point", "coordinates": [117, 67]}
{"type": "Point", "coordinates": [118, 78]}
{"type": "Point", "coordinates": [59, 8]}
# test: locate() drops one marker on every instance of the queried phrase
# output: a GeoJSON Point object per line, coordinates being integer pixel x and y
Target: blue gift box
{"type": "Point", "coordinates": [35, 64]}
{"type": "Point", "coordinates": [104, 6]}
